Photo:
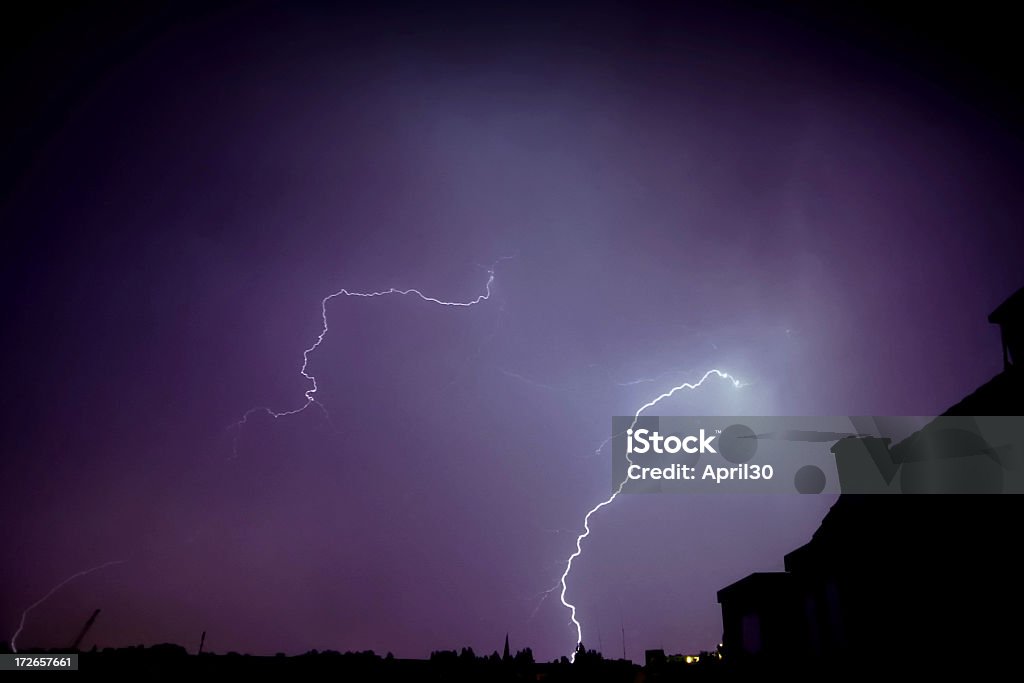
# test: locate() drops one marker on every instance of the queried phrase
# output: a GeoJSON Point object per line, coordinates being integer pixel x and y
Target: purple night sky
{"type": "Point", "coordinates": [826, 212]}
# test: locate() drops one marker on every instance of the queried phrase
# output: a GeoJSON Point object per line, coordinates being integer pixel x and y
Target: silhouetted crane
{"type": "Point", "coordinates": [85, 629]}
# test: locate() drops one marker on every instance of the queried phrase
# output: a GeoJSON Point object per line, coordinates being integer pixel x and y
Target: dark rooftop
{"type": "Point", "coordinates": [1011, 309]}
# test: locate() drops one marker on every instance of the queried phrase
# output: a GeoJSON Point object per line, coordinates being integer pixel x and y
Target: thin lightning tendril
{"type": "Point", "coordinates": [586, 519]}
{"type": "Point", "coordinates": [310, 394]}
{"type": "Point", "coordinates": [24, 615]}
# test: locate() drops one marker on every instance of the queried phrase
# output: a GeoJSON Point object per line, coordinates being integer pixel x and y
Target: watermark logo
{"type": "Point", "coordinates": [813, 455]}
{"type": "Point", "coordinates": [644, 441]}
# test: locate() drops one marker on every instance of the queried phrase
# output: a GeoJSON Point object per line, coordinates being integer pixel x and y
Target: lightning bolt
{"type": "Point", "coordinates": [310, 394]}
{"type": "Point", "coordinates": [611, 499]}
{"type": "Point", "coordinates": [24, 615]}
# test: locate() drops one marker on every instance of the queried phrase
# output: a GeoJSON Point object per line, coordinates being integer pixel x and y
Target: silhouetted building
{"type": "Point", "coordinates": [761, 616]}
{"type": "Point", "coordinates": [897, 578]}
{"type": "Point", "coordinates": [1010, 318]}
{"type": "Point", "coordinates": [654, 658]}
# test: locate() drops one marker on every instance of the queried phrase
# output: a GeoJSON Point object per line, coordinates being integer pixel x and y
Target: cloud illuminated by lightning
{"type": "Point", "coordinates": [310, 394]}
{"type": "Point", "coordinates": [24, 615]}
{"type": "Point", "coordinates": [586, 520]}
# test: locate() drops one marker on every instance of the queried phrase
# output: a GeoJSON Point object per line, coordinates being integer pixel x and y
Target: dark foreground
{"type": "Point", "coordinates": [174, 660]}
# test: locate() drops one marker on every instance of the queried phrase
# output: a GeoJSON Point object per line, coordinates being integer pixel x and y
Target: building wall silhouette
{"type": "Point", "coordinates": [898, 579]}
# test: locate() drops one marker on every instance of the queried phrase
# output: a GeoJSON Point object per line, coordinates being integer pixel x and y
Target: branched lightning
{"type": "Point", "coordinates": [310, 394]}
{"type": "Point", "coordinates": [586, 519]}
{"type": "Point", "coordinates": [541, 597]}
{"type": "Point", "coordinates": [24, 615]}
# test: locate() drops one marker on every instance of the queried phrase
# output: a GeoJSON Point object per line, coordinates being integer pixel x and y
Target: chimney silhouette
{"type": "Point", "coordinates": [1010, 318]}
